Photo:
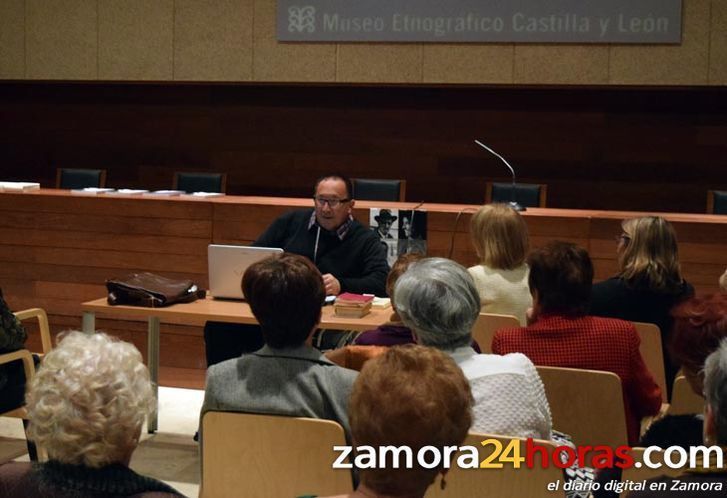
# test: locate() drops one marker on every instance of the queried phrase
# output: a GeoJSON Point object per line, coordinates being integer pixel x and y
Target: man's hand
{"type": "Point", "coordinates": [333, 286]}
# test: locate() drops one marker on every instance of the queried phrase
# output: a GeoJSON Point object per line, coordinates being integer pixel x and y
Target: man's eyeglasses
{"type": "Point", "coordinates": [332, 203]}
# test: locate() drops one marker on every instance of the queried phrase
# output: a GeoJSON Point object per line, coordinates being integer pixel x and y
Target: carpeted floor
{"type": "Point", "coordinates": [170, 455]}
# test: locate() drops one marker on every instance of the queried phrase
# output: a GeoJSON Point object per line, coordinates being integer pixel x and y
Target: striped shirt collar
{"type": "Point", "coordinates": [340, 231]}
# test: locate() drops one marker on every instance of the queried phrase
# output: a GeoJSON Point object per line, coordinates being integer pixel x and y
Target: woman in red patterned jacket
{"type": "Point", "coordinates": [561, 334]}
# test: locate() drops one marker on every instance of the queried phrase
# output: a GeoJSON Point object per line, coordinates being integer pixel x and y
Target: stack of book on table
{"type": "Point", "coordinates": [18, 186]}
{"type": "Point", "coordinates": [350, 305]}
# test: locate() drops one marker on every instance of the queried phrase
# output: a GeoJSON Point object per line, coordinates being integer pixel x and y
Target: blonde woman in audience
{"type": "Point", "coordinates": [500, 237]}
{"type": "Point", "coordinates": [437, 299]}
{"type": "Point", "coordinates": [413, 396]}
{"type": "Point", "coordinates": [649, 282]}
{"type": "Point", "coordinates": [723, 282]}
{"type": "Point", "coordinates": [86, 405]}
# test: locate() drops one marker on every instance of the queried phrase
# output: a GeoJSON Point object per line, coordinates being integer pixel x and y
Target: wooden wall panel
{"type": "Point", "coordinates": [628, 148]}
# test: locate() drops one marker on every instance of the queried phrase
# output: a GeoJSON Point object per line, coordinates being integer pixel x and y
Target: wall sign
{"type": "Point", "coordinates": [500, 21]}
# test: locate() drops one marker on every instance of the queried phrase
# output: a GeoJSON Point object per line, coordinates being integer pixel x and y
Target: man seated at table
{"type": "Point", "coordinates": [350, 257]}
{"type": "Point", "coordinates": [286, 376]}
{"type": "Point", "coordinates": [560, 334]}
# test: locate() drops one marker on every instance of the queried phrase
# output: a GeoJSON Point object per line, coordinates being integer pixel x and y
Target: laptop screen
{"type": "Point", "coordinates": [227, 265]}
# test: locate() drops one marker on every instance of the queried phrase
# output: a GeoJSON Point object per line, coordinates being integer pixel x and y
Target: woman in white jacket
{"type": "Point", "coordinates": [500, 238]}
{"type": "Point", "coordinates": [437, 300]}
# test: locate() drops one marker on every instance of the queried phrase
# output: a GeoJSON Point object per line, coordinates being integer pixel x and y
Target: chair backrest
{"type": "Point", "coordinates": [372, 189]}
{"type": "Point", "coordinates": [80, 178]}
{"type": "Point", "coordinates": [653, 354]}
{"type": "Point", "coordinates": [486, 326]}
{"type": "Point", "coordinates": [200, 182]}
{"type": "Point", "coordinates": [28, 369]}
{"type": "Point", "coordinates": [25, 355]}
{"type": "Point", "coordinates": [684, 400]}
{"type": "Point", "coordinates": [505, 482]}
{"type": "Point", "coordinates": [260, 456]}
{"type": "Point", "coordinates": [526, 194]}
{"type": "Point", "coordinates": [42, 317]}
{"type": "Point", "coordinates": [587, 404]}
{"type": "Point", "coordinates": [36, 453]}
{"type": "Point", "coordinates": [641, 473]}
{"type": "Point", "coordinates": [717, 201]}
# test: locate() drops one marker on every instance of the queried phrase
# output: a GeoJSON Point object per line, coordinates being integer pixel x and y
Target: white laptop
{"type": "Point", "coordinates": [227, 264]}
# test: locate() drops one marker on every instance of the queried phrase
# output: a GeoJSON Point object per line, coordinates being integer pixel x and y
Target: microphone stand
{"type": "Point", "coordinates": [513, 203]}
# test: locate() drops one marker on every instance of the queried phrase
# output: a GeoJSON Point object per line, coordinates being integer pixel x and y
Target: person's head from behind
{"type": "Point", "coordinates": [409, 396]}
{"type": "Point", "coordinates": [715, 394]}
{"type": "Point", "coordinates": [89, 399]}
{"type": "Point", "coordinates": [560, 279]}
{"type": "Point", "coordinates": [399, 267]}
{"type": "Point", "coordinates": [700, 324]}
{"type": "Point", "coordinates": [437, 299]}
{"type": "Point", "coordinates": [333, 200]}
{"type": "Point", "coordinates": [500, 236]}
{"type": "Point", "coordinates": [648, 254]}
{"type": "Point", "coordinates": [285, 293]}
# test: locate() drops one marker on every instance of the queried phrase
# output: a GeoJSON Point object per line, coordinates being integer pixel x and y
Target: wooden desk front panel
{"type": "Point", "coordinates": [57, 249]}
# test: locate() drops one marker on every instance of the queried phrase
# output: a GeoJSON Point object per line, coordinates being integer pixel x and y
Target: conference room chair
{"type": "Point", "coordinates": [372, 189]}
{"type": "Point", "coordinates": [587, 404]}
{"type": "Point", "coordinates": [717, 201]}
{"type": "Point", "coordinates": [651, 351]}
{"type": "Point", "coordinates": [200, 182]}
{"type": "Point", "coordinates": [642, 473]}
{"type": "Point", "coordinates": [260, 456]}
{"type": "Point", "coordinates": [80, 178]}
{"type": "Point", "coordinates": [526, 194]}
{"type": "Point", "coordinates": [505, 482]}
{"type": "Point", "coordinates": [487, 324]}
{"type": "Point", "coordinates": [684, 401]}
{"type": "Point", "coordinates": [26, 357]}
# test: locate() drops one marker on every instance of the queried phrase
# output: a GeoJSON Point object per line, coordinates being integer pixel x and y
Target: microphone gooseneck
{"type": "Point", "coordinates": [513, 204]}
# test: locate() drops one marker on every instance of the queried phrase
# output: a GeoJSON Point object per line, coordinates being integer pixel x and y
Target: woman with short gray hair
{"type": "Point", "coordinates": [438, 300]}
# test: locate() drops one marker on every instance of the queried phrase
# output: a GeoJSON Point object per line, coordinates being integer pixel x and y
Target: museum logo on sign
{"type": "Point", "coordinates": [301, 19]}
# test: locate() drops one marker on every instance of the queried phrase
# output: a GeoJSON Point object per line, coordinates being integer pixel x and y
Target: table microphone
{"type": "Point", "coordinates": [513, 204]}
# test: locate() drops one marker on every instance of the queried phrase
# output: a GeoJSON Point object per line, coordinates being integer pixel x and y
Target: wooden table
{"type": "Point", "coordinates": [201, 311]}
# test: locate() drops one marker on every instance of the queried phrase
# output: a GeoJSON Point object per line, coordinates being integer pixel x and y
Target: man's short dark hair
{"type": "Point", "coordinates": [562, 274]}
{"type": "Point", "coordinates": [285, 293]}
{"type": "Point", "coordinates": [336, 176]}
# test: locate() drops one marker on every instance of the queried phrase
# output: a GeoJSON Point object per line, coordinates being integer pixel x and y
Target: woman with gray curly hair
{"type": "Point", "coordinates": [438, 300]}
{"type": "Point", "coordinates": [86, 407]}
